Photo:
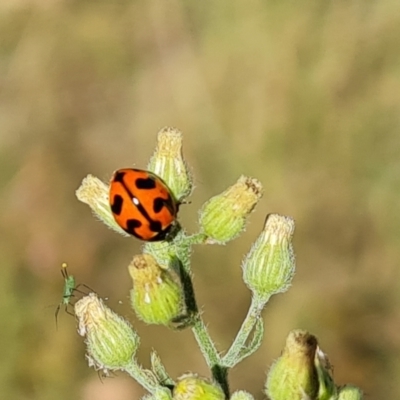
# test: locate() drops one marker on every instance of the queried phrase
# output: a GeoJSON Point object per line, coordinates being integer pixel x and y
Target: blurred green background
{"type": "Point", "coordinates": [304, 96]}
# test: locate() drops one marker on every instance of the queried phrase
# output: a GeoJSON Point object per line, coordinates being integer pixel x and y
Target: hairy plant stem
{"type": "Point", "coordinates": [142, 376]}
{"type": "Point", "coordinates": [255, 309]}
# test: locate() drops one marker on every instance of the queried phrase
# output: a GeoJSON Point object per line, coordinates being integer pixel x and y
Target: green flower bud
{"type": "Point", "coordinates": [350, 392]}
{"type": "Point", "coordinates": [192, 387]}
{"type": "Point", "coordinates": [293, 376]}
{"type": "Point", "coordinates": [223, 217]}
{"type": "Point", "coordinates": [111, 341]}
{"type": "Point", "coordinates": [168, 163]}
{"type": "Point", "coordinates": [94, 193]}
{"type": "Point", "coordinates": [155, 297]}
{"type": "Point", "coordinates": [241, 395]}
{"type": "Point", "coordinates": [269, 266]}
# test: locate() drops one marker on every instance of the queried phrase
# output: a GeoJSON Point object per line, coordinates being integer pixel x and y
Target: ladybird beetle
{"type": "Point", "coordinates": [142, 204]}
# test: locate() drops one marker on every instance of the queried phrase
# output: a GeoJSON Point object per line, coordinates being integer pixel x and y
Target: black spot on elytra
{"type": "Point", "coordinates": [119, 176]}
{"type": "Point", "coordinates": [158, 204]}
{"type": "Point", "coordinates": [161, 235]}
{"type": "Point", "coordinates": [116, 206]}
{"type": "Point", "coordinates": [155, 226]}
{"type": "Point", "coordinates": [145, 183]}
{"type": "Point", "coordinates": [132, 225]}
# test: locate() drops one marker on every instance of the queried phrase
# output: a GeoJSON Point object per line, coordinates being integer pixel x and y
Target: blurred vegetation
{"type": "Point", "coordinates": [304, 96]}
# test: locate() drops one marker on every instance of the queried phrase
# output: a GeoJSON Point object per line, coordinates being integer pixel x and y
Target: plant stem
{"type": "Point", "coordinates": [247, 327]}
{"type": "Point", "coordinates": [142, 376]}
{"type": "Point", "coordinates": [210, 353]}
{"type": "Point", "coordinates": [197, 238]}
{"type": "Point", "coordinates": [205, 343]}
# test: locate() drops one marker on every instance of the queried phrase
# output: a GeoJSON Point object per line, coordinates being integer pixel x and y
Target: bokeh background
{"type": "Point", "coordinates": [304, 96]}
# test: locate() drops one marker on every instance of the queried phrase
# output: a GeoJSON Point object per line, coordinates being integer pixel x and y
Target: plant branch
{"type": "Point", "coordinates": [252, 318]}
{"type": "Point", "coordinates": [144, 377]}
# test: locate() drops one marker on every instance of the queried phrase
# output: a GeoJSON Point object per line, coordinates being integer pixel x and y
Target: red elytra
{"type": "Point", "coordinates": [142, 204]}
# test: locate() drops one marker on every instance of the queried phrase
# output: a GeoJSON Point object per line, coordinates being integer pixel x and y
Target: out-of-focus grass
{"type": "Point", "coordinates": [305, 96]}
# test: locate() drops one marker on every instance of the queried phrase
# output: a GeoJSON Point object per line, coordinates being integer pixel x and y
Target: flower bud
{"type": "Point", "coordinates": [241, 395]}
{"type": "Point", "coordinates": [192, 387]}
{"type": "Point", "coordinates": [293, 376]}
{"type": "Point", "coordinates": [111, 341]}
{"type": "Point", "coordinates": [155, 297]}
{"type": "Point", "coordinates": [223, 217]}
{"type": "Point", "coordinates": [350, 392]}
{"type": "Point", "coordinates": [168, 163]}
{"type": "Point", "coordinates": [95, 194]}
{"type": "Point", "coordinates": [269, 266]}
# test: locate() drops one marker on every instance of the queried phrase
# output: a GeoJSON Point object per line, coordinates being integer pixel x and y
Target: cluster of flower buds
{"type": "Point", "coordinates": [163, 294]}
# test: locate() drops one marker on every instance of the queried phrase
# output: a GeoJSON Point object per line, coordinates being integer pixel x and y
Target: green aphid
{"type": "Point", "coordinates": [70, 287]}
